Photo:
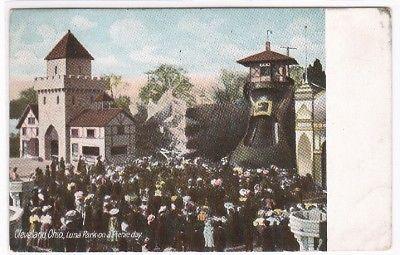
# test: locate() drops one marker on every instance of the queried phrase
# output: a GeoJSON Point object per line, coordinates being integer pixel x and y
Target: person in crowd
{"type": "Point", "coordinates": [14, 176]}
{"type": "Point", "coordinates": [170, 204]}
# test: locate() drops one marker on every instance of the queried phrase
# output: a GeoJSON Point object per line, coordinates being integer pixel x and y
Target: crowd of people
{"type": "Point", "coordinates": [173, 204]}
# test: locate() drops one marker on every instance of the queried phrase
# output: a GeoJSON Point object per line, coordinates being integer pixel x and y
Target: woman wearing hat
{"type": "Point", "coordinates": [46, 224]}
{"type": "Point", "coordinates": [208, 234]}
{"type": "Point", "coordinates": [113, 227]}
{"type": "Point", "coordinates": [34, 226]}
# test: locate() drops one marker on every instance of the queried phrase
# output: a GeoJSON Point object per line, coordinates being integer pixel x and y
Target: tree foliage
{"type": "Point", "coordinates": [113, 82]}
{"type": "Point", "coordinates": [297, 73]}
{"type": "Point", "coordinates": [167, 77]}
{"type": "Point", "coordinates": [316, 75]}
{"type": "Point", "coordinates": [17, 106]}
{"type": "Point", "coordinates": [14, 145]}
{"type": "Point", "coordinates": [122, 102]}
{"type": "Point", "coordinates": [232, 83]}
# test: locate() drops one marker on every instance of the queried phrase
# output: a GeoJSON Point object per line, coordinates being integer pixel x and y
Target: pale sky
{"type": "Point", "coordinates": [130, 42]}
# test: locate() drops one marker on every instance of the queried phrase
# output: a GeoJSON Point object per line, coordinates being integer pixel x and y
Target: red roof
{"type": "Point", "coordinates": [34, 108]}
{"type": "Point", "coordinates": [97, 118]}
{"type": "Point", "coordinates": [267, 56]}
{"type": "Point", "coordinates": [69, 47]}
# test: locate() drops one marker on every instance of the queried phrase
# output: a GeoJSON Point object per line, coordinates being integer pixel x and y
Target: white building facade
{"type": "Point", "coordinates": [66, 92]}
{"type": "Point", "coordinates": [311, 132]}
{"type": "Point", "coordinates": [28, 127]}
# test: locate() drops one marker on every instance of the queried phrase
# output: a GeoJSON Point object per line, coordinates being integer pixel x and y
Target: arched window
{"type": "Point", "coordinates": [44, 100]}
{"type": "Point", "coordinates": [55, 70]}
{"type": "Point", "coordinates": [58, 99]}
{"type": "Point", "coordinates": [73, 100]}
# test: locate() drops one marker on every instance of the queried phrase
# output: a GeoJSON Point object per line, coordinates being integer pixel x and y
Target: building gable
{"type": "Point", "coordinates": [30, 108]}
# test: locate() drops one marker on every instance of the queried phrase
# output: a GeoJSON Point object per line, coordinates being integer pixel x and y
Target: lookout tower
{"type": "Point", "coordinates": [267, 81]}
{"type": "Point", "coordinates": [67, 89]}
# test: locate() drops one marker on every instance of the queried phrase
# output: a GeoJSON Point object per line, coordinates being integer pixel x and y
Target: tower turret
{"type": "Point", "coordinates": [268, 89]}
{"type": "Point", "coordinates": [67, 89]}
{"type": "Point", "coordinates": [268, 78]}
{"type": "Point", "coordinates": [69, 57]}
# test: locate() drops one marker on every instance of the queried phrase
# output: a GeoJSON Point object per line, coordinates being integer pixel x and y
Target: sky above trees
{"type": "Point", "coordinates": [130, 42]}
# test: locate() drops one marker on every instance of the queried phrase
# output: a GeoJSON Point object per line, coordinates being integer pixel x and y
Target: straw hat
{"type": "Point", "coordinates": [157, 193]}
{"type": "Point", "coordinates": [46, 208]}
{"type": "Point", "coordinates": [70, 185]}
{"type": "Point", "coordinates": [78, 194]}
{"type": "Point", "coordinates": [228, 205]}
{"type": "Point", "coordinates": [114, 211]}
{"type": "Point", "coordinates": [259, 222]}
{"type": "Point", "coordinates": [71, 213]}
{"type": "Point", "coordinates": [162, 209]}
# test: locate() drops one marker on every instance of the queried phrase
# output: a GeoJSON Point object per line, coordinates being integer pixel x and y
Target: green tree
{"type": "Point", "coordinates": [167, 77]}
{"type": "Point", "coordinates": [113, 82]}
{"type": "Point", "coordinates": [232, 83]}
{"type": "Point", "coordinates": [122, 102]}
{"type": "Point", "coordinates": [17, 106]}
{"type": "Point", "coordinates": [14, 145]}
{"type": "Point", "coordinates": [315, 74]}
{"type": "Point", "coordinates": [297, 73]}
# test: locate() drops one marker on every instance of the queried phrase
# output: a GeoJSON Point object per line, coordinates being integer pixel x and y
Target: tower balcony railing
{"type": "Point", "coordinates": [271, 81]}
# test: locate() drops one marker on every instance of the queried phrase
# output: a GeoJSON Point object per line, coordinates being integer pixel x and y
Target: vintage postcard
{"type": "Point", "coordinates": [168, 129]}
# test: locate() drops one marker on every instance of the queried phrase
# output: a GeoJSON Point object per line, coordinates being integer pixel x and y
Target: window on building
{"type": "Point", "coordinates": [119, 150]}
{"type": "Point", "coordinates": [44, 100]}
{"type": "Point", "coordinates": [120, 130]}
{"type": "Point", "coordinates": [265, 71]}
{"type": "Point", "coordinates": [73, 100]}
{"type": "Point", "coordinates": [31, 120]}
{"type": "Point", "coordinates": [74, 150]}
{"type": "Point", "coordinates": [55, 70]}
{"type": "Point", "coordinates": [74, 132]}
{"type": "Point", "coordinates": [90, 133]}
{"type": "Point", "coordinates": [90, 151]}
{"type": "Point", "coordinates": [58, 99]}
{"type": "Point", "coordinates": [24, 131]}
{"type": "Point", "coordinates": [37, 131]}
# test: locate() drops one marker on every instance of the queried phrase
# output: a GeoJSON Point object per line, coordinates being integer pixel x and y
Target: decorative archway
{"type": "Point", "coordinates": [304, 157]}
{"type": "Point", "coordinates": [51, 142]}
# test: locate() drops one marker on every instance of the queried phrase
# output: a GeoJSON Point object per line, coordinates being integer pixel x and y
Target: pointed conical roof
{"type": "Point", "coordinates": [69, 47]}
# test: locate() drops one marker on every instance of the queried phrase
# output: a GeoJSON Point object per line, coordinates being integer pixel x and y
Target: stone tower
{"type": "Point", "coordinates": [66, 90]}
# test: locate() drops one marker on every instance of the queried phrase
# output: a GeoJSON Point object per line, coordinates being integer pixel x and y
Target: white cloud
{"type": "Point", "coordinates": [200, 28]}
{"type": "Point", "coordinates": [45, 31]}
{"type": "Point", "coordinates": [148, 55]}
{"type": "Point", "coordinates": [125, 31]}
{"type": "Point", "coordinates": [233, 50]}
{"type": "Point", "coordinates": [24, 58]}
{"type": "Point", "coordinates": [82, 23]}
{"type": "Point", "coordinates": [107, 61]}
